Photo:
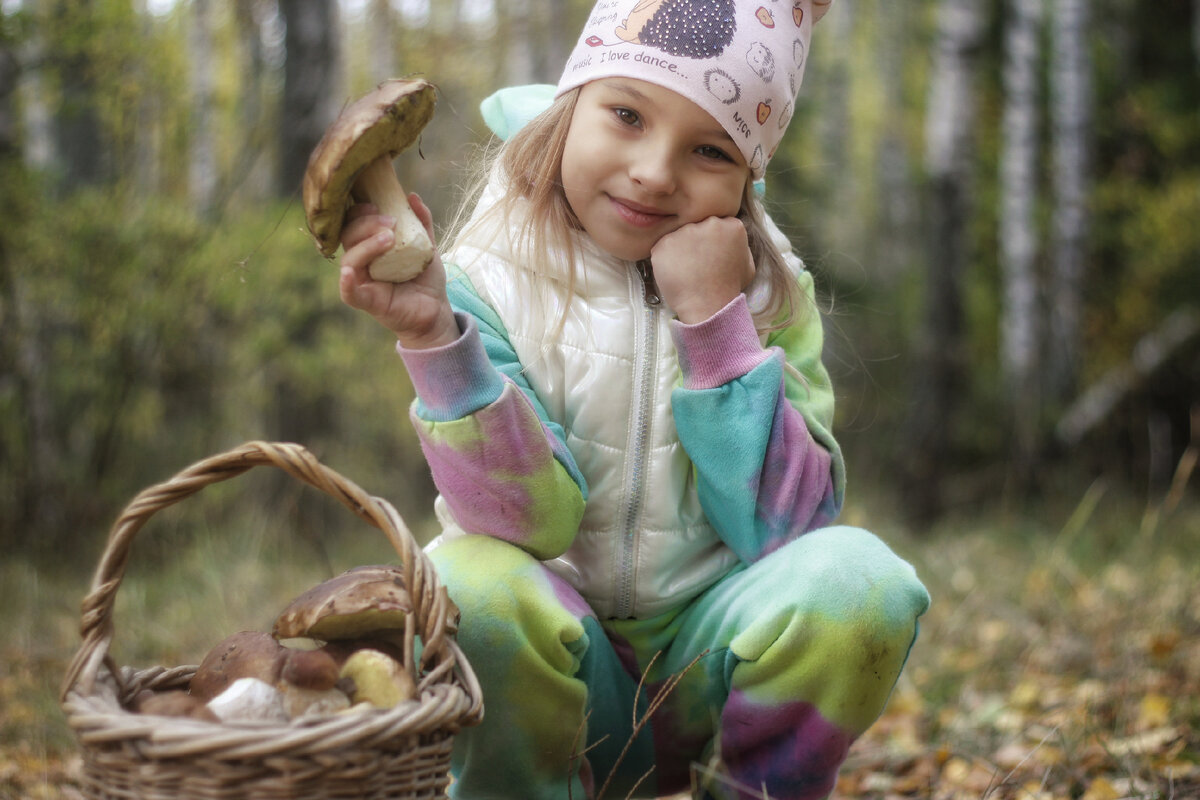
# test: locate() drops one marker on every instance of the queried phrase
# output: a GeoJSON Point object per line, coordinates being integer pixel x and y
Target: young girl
{"type": "Point", "coordinates": [621, 399]}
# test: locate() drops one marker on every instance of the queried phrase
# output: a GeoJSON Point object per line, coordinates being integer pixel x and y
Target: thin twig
{"type": "Point", "coordinates": [639, 724]}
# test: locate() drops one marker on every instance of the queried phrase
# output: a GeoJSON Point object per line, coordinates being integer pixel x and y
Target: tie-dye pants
{"type": "Point", "coordinates": [757, 687]}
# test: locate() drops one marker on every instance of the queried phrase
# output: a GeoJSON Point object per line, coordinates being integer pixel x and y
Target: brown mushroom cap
{"type": "Point", "coordinates": [173, 703]}
{"type": "Point", "coordinates": [382, 123]}
{"type": "Point", "coordinates": [309, 669]}
{"type": "Point", "coordinates": [361, 602]}
{"type": "Point", "coordinates": [246, 654]}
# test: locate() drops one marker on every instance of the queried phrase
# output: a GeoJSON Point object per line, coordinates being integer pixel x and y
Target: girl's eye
{"type": "Point", "coordinates": [626, 116]}
{"type": "Point", "coordinates": [714, 153]}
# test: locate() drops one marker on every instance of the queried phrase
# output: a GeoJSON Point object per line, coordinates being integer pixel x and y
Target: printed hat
{"type": "Point", "coordinates": [742, 61]}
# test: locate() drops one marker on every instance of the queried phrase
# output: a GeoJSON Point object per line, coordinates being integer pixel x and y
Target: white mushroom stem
{"type": "Point", "coordinates": [412, 251]}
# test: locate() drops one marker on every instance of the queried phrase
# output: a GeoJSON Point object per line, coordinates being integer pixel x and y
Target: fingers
{"type": "Point", "coordinates": [423, 213]}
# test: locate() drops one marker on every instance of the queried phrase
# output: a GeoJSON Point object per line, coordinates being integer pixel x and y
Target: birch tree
{"type": "Point", "coordinates": [939, 371]}
{"type": "Point", "coordinates": [202, 163]}
{"type": "Point", "coordinates": [382, 58]}
{"type": "Point", "coordinates": [1019, 324]}
{"type": "Point", "coordinates": [1071, 93]}
{"type": "Point", "coordinates": [258, 25]}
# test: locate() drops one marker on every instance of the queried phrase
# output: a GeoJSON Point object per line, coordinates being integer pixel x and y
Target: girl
{"type": "Point", "coordinates": [621, 399]}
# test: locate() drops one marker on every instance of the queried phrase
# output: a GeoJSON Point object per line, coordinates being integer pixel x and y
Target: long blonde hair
{"type": "Point", "coordinates": [543, 228]}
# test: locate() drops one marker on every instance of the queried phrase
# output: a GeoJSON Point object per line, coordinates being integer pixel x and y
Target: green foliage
{"type": "Point", "coordinates": [149, 339]}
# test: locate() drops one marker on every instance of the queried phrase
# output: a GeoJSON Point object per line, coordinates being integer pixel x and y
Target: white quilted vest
{"type": "Point", "coordinates": [644, 545]}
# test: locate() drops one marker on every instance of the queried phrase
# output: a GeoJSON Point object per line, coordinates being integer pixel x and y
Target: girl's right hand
{"type": "Point", "coordinates": [417, 311]}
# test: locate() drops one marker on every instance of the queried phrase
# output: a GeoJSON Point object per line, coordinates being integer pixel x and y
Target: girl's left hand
{"type": "Point", "coordinates": [702, 266]}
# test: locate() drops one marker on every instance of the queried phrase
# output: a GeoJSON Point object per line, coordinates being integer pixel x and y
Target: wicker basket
{"type": "Point", "coordinates": [403, 752]}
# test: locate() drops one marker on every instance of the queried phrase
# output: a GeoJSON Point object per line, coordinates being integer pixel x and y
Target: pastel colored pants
{"type": "Point", "coordinates": [760, 684]}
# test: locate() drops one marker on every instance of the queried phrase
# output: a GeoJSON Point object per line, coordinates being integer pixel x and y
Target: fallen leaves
{"type": "Point", "coordinates": [1038, 681]}
{"type": "Point", "coordinates": [1040, 674]}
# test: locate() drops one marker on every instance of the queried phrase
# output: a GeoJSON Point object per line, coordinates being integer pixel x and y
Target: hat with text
{"type": "Point", "coordinates": [742, 61]}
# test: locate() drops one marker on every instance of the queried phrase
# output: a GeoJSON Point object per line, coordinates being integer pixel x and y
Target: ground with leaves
{"type": "Point", "coordinates": [1060, 660]}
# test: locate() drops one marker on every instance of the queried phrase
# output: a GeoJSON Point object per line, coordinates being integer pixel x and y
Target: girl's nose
{"type": "Point", "coordinates": [651, 168]}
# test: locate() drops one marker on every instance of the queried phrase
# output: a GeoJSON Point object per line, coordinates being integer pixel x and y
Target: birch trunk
{"type": "Point", "coordinates": [1019, 324]}
{"type": "Point", "coordinates": [1071, 89]}
{"type": "Point", "coordinates": [257, 22]}
{"type": "Point", "coordinates": [382, 57]}
{"type": "Point", "coordinates": [202, 163]}
{"type": "Point", "coordinates": [938, 372]}
{"type": "Point", "coordinates": [519, 57]}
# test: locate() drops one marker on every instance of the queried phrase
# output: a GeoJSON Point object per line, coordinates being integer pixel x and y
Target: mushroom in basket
{"type": "Point", "coordinates": [360, 615]}
{"type": "Point", "coordinates": [250, 675]}
{"type": "Point", "coordinates": [352, 627]}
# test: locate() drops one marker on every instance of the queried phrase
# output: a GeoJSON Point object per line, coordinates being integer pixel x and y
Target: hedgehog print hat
{"type": "Point", "coordinates": [740, 60]}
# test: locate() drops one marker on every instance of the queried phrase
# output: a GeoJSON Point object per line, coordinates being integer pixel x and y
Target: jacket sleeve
{"type": "Point", "coordinates": [756, 423]}
{"type": "Point", "coordinates": [501, 466]}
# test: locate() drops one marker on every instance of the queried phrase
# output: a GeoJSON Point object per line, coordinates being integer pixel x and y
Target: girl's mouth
{"type": "Point", "coordinates": [636, 214]}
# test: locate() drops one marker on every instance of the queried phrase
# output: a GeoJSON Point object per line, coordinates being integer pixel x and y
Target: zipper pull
{"type": "Point", "coordinates": [649, 287]}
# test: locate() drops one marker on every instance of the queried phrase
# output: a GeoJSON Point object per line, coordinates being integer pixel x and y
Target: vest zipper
{"type": "Point", "coordinates": [649, 288]}
{"type": "Point", "coordinates": [634, 491]}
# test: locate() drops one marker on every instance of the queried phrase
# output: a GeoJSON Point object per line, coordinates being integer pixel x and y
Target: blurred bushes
{"type": "Point", "coordinates": [138, 339]}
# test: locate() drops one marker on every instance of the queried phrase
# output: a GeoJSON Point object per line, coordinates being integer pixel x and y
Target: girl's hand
{"type": "Point", "coordinates": [417, 311]}
{"type": "Point", "coordinates": [702, 266]}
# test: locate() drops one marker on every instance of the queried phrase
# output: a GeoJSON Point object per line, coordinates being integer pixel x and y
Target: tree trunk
{"type": "Point", "coordinates": [896, 248]}
{"type": "Point", "coordinates": [1196, 30]}
{"type": "Point", "coordinates": [1071, 100]}
{"type": "Point", "coordinates": [82, 149]}
{"type": "Point", "coordinates": [519, 51]}
{"type": "Point", "coordinates": [256, 165]}
{"type": "Point", "coordinates": [559, 39]}
{"type": "Point", "coordinates": [311, 81]}
{"type": "Point", "coordinates": [1020, 331]}
{"type": "Point", "coordinates": [382, 59]}
{"type": "Point", "coordinates": [939, 368]}
{"type": "Point", "coordinates": [10, 72]}
{"type": "Point", "coordinates": [202, 163]}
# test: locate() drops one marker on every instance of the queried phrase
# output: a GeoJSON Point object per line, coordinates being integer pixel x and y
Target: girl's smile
{"type": "Point", "coordinates": [638, 215]}
{"type": "Point", "coordinates": [641, 161]}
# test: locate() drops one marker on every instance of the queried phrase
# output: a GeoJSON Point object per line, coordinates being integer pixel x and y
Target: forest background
{"type": "Point", "coordinates": [998, 198]}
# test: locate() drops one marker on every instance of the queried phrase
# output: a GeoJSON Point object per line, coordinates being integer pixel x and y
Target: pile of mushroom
{"type": "Point", "coordinates": [334, 648]}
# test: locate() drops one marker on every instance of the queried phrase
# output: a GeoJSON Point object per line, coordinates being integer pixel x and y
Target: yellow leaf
{"type": "Point", "coordinates": [1151, 741]}
{"type": "Point", "coordinates": [1025, 694]}
{"type": "Point", "coordinates": [1101, 789]}
{"type": "Point", "coordinates": [1154, 711]}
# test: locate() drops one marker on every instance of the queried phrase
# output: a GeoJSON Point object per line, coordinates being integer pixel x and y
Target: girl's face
{"type": "Point", "coordinates": [641, 161]}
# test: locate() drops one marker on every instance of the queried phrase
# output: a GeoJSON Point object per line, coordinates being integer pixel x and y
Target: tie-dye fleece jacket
{"type": "Point", "coordinates": [640, 458]}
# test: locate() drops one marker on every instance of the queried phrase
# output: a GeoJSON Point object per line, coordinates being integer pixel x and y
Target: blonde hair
{"type": "Point", "coordinates": [543, 228]}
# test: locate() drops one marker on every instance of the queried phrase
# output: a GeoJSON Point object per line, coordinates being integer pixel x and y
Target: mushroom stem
{"type": "Point", "coordinates": [412, 251]}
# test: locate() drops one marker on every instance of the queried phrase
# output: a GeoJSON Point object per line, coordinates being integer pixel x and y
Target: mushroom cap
{"type": "Point", "coordinates": [381, 123]}
{"type": "Point", "coordinates": [358, 603]}
{"type": "Point", "coordinates": [246, 654]}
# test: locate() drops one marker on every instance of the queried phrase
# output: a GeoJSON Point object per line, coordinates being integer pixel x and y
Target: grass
{"type": "Point", "coordinates": [1060, 660]}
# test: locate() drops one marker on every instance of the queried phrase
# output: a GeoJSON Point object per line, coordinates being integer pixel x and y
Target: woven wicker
{"type": "Point", "coordinates": [402, 752]}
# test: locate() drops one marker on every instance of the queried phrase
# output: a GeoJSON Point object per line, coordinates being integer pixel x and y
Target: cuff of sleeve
{"type": "Point", "coordinates": [720, 349]}
{"type": "Point", "coordinates": [456, 379]}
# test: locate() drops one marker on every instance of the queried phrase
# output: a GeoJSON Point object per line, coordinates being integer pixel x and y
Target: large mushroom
{"type": "Point", "coordinates": [246, 654]}
{"type": "Point", "coordinates": [369, 602]}
{"type": "Point", "coordinates": [353, 162]}
{"type": "Point", "coordinates": [361, 615]}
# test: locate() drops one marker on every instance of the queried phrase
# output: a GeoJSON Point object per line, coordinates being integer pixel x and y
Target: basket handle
{"type": "Point", "coordinates": [432, 608]}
